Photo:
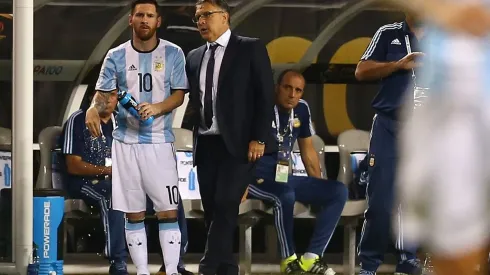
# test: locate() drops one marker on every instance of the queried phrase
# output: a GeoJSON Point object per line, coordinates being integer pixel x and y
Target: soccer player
{"type": "Point", "coordinates": [293, 122]}
{"type": "Point", "coordinates": [153, 72]}
{"type": "Point", "coordinates": [443, 177]}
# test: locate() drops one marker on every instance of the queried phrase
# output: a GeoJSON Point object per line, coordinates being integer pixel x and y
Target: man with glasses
{"type": "Point", "coordinates": [231, 91]}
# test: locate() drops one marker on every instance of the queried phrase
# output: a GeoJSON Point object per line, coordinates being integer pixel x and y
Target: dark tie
{"type": "Point", "coordinates": [208, 94]}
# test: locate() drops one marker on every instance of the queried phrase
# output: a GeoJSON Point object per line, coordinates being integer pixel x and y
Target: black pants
{"type": "Point", "coordinates": [222, 181]}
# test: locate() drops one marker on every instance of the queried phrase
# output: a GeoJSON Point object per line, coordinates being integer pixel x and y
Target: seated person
{"type": "Point", "coordinates": [292, 121]}
{"type": "Point", "coordinates": [88, 165]}
{"type": "Point", "coordinates": [89, 168]}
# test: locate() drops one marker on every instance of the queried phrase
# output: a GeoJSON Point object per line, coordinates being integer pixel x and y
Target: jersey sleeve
{"type": "Point", "coordinates": [377, 48]}
{"type": "Point", "coordinates": [306, 128]}
{"type": "Point", "coordinates": [107, 80]}
{"type": "Point", "coordinates": [73, 141]}
{"type": "Point", "coordinates": [178, 78]}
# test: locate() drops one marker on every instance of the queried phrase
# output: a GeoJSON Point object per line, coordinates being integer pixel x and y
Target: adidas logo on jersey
{"type": "Point", "coordinates": [132, 68]}
{"type": "Point", "coordinates": [396, 42]}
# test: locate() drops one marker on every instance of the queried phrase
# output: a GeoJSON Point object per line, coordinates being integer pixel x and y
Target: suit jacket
{"type": "Point", "coordinates": [245, 98]}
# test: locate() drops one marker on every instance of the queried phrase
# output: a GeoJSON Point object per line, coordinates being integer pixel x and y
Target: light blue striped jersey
{"type": "Point", "coordinates": [454, 58]}
{"type": "Point", "coordinates": [148, 77]}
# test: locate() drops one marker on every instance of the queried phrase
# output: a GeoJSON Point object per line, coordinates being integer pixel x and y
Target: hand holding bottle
{"type": "Point", "coordinates": [133, 107]}
{"type": "Point", "coordinates": [147, 110]}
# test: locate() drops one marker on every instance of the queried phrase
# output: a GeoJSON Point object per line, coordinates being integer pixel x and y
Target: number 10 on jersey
{"type": "Point", "coordinates": [146, 82]}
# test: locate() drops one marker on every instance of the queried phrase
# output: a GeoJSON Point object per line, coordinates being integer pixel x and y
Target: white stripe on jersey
{"type": "Point", "coordinates": [161, 77]}
{"type": "Point", "coordinates": [376, 37]}
{"type": "Point", "coordinates": [310, 123]}
{"type": "Point", "coordinates": [132, 70]}
{"type": "Point", "coordinates": [69, 132]}
{"type": "Point", "coordinates": [148, 77]}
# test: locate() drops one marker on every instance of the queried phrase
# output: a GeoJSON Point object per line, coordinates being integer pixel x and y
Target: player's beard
{"type": "Point", "coordinates": [144, 35]}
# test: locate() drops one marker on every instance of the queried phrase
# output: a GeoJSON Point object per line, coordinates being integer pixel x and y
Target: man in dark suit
{"type": "Point", "coordinates": [231, 91]}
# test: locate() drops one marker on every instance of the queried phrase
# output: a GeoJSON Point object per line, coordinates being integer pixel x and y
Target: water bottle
{"type": "Point", "coordinates": [6, 175]}
{"type": "Point", "coordinates": [192, 180]}
{"type": "Point", "coordinates": [128, 102]}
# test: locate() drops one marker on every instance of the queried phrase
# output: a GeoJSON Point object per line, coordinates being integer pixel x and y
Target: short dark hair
{"type": "Point", "coordinates": [138, 2]}
{"type": "Point", "coordinates": [222, 4]}
{"type": "Point", "coordinates": [283, 74]}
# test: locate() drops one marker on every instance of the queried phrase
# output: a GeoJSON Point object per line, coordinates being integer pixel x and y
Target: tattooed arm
{"type": "Point", "coordinates": [98, 105]}
{"type": "Point", "coordinates": [99, 102]}
{"type": "Point", "coordinates": [105, 87]}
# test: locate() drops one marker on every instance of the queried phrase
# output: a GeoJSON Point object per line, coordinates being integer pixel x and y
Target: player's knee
{"type": "Point", "coordinates": [134, 217]}
{"type": "Point", "coordinates": [170, 214]}
{"type": "Point", "coordinates": [135, 223]}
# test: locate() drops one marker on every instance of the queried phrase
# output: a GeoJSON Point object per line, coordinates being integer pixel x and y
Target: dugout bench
{"type": "Point", "coordinates": [251, 211]}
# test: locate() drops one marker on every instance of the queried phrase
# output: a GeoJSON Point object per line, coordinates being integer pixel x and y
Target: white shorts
{"type": "Point", "coordinates": [144, 169]}
{"type": "Point", "coordinates": [443, 176]}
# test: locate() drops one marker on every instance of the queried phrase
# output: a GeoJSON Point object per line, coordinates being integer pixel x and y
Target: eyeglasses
{"type": "Point", "coordinates": [204, 15]}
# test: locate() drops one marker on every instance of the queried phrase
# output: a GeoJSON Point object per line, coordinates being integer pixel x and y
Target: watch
{"type": "Point", "coordinates": [260, 142]}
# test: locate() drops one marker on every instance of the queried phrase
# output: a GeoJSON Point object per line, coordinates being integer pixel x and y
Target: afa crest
{"type": "Point", "coordinates": [296, 122]}
{"type": "Point", "coordinates": [371, 161]}
{"type": "Point", "coordinates": [159, 66]}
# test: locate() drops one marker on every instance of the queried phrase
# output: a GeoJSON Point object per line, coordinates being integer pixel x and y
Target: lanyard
{"type": "Point", "coordinates": [280, 137]}
{"type": "Point", "coordinates": [419, 93]}
{"type": "Point", "coordinates": [409, 51]}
